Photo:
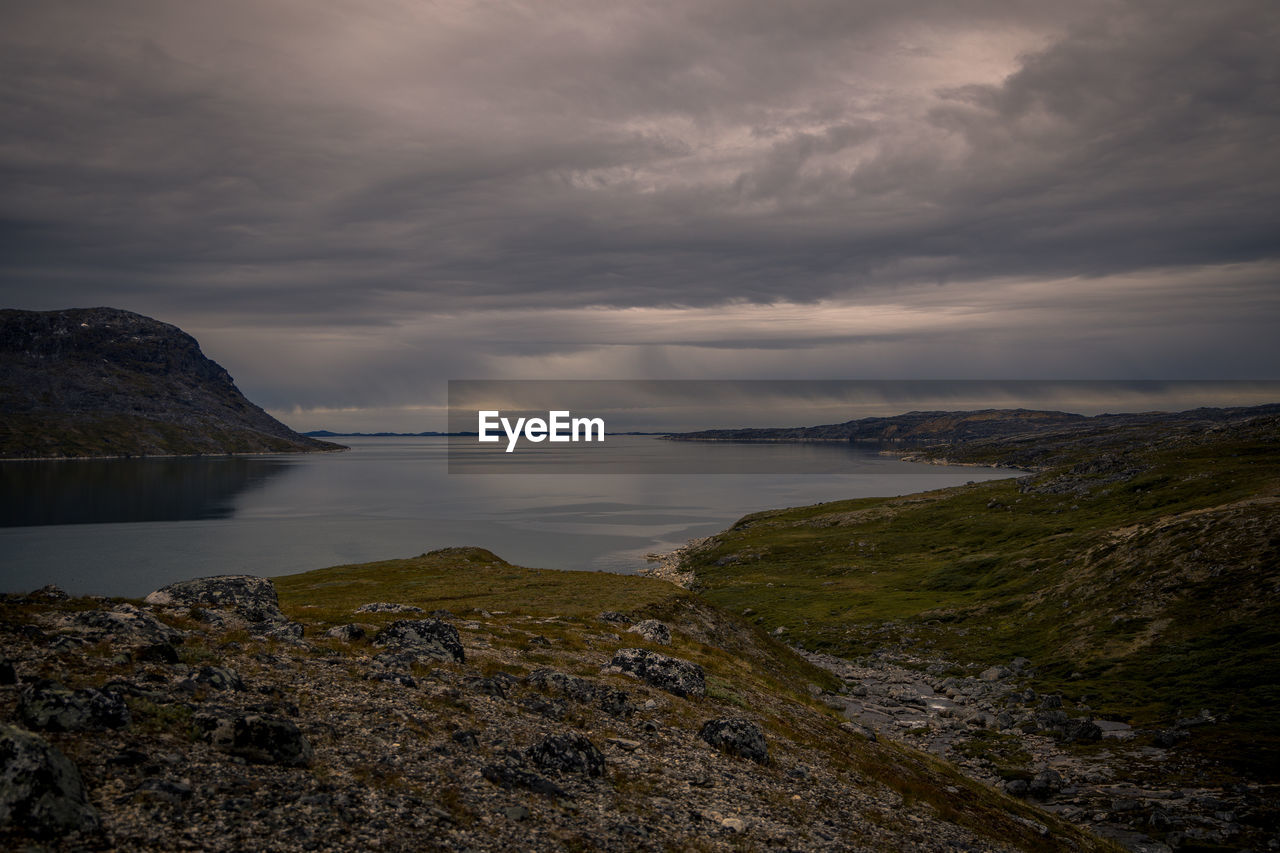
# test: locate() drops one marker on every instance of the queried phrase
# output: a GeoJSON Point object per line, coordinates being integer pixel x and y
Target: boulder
{"type": "Point", "coordinates": [554, 681]}
{"type": "Point", "coordinates": [49, 592]}
{"type": "Point", "coordinates": [51, 707]}
{"type": "Point", "coordinates": [41, 791]}
{"type": "Point", "coordinates": [430, 638]}
{"type": "Point", "coordinates": [616, 703]}
{"type": "Point", "coordinates": [387, 607]}
{"type": "Point", "coordinates": [347, 633]}
{"type": "Point", "coordinates": [569, 752]}
{"type": "Point", "coordinates": [673, 675]}
{"type": "Point", "coordinates": [736, 736]}
{"type": "Point", "coordinates": [219, 678]}
{"type": "Point", "coordinates": [260, 738]}
{"type": "Point", "coordinates": [510, 775]}
{"type": "Point", "coordinates": [615, 617]}
{"type": "Point", "coordinates": [995, 673]}
{"type": "Point", "coordinates": [251, 598]}
{"type": "Point", "coordinates": [1016, 787]}
{"type": "Point", "coordinates": [289, 632]}
{"type": "Point", "coordinates": [1081, 731]}
{"type": "Point", "coordinates": [653, 631]}
{"type": "Point", "coordinates": [1044, 784]}
{"type": "Point", "coordinates": [123, 624]}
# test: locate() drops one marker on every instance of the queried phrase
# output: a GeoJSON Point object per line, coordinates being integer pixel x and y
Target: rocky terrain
{"type": "Point", "coordinates": [1100, 635]}
{"type": "Point", "coordinates": [1128, 784]}
{"type": "Point", "coordinates": [214, 716]}
{"type": "Point", "coordinates": [104, 382]}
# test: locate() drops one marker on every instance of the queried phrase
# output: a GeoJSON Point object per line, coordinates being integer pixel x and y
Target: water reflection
{"type": "Point", "coordinates": [128, 490]}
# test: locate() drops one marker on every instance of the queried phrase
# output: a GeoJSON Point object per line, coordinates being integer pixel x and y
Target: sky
{"type": "Point", "coordinates": [350, 203]}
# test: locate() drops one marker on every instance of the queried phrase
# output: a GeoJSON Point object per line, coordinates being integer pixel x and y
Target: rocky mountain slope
{"type": "Point", "coordinates": [356, 712]}
{"type": "Point", "coordinates": [1135, 574]}
{"type": "Point", "coordinates": [105, 382]}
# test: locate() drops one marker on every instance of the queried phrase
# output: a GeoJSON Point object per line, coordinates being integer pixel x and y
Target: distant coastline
{"type": "Point", "coordinates": [324, 433]}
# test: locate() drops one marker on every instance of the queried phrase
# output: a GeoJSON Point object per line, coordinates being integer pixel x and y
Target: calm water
{"type": "Point", "coordinates": [126, 527]}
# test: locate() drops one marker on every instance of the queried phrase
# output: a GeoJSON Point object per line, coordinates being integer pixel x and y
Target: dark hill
{"type": "Point", "coordinates": [913, 428]}
{"type": "Point", "coordinates": [106, 382]}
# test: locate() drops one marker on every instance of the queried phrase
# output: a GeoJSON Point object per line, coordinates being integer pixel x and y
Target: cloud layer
{"type": "Point", "coordinates": [404, 192]}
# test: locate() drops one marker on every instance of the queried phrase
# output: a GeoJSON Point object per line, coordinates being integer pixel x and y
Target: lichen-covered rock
{"type": "Point", "coordinates": [40, 789]}
{"type": "Point", "coordinates": [554, 681]}
{"type": "Point", "coordinates": [122, 624]}
{"type": "Point", "coordinates": [290, 632]}
{"type": "Point", "coordinates": [673, 675]}
{"type": "Point", "coordinates": [49, 592]}
{"type": "Point", "coordinates": [513, 776]}
{"type": "Point", "coordinates": [430, 638]}
{"type": "Point", "coordinates": [736, 736]}
{"type": "Point", "coordinates": [616, 703]}
{"type": "Point", "coordinates": [1044, 784]}
{"type": "Point", "coordinates": [256, 737]}
{"type": "Point", "coordinates": [251, 598]}
{"type": "Point", "coordinates": [653, 631]}
{"type": "Point", "coordinates": [569, 752]}
{"type": "Point", "coordinates": [1081, 731]}
{"type": "Point", "coordinates": [219, 678]}
{"type": "Point", "coordinates": [387, 607]}
{"type": "Point", "coordinates": [346, 633]}
{"type": "Point", "coordinates": [51, 707]}
{"type": "Point", "coordinates": [615, 617]}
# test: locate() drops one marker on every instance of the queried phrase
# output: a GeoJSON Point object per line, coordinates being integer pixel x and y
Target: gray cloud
{"type": "Point", "coordinates": [355, 175]}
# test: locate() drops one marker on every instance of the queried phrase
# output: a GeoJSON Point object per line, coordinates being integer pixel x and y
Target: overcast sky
{"type": "Point", "coordinates": [349, 203]}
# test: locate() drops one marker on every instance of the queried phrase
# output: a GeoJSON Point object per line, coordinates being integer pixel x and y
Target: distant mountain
{"type": "Point", "coordinates": [106, 382]}
{"type": "Point", "coordinates": [324, 433]}
{"type": "Point", "coordinates": [1032, 434]}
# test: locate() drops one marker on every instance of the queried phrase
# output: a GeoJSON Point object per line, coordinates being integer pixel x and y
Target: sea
{"type": "Point", "coordinates": [125, 527]}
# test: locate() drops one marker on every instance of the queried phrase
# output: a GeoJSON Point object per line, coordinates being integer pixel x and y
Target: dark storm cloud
{"type": "Point", "coordinates": [356, 172]}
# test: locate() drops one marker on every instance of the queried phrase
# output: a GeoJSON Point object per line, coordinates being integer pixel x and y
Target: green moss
{"type": "Point", "coordinates": [1152, 595]}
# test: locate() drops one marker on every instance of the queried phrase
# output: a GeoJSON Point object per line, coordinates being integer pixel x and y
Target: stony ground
{"type": "Point", "coordinates": [1132, 786]}
{"type": "Point", "coordinates": [206, 720]}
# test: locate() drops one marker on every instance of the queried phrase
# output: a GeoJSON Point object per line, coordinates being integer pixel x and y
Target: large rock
{"type": "Point", "coordinates": [347, 633]}
{"type": "Point", "coordinates": [616, 703]}
{"type": "Point", "coordinates": [432, 638]}
{"type": "Point", "coordinates": [554, 681]}
{"type": "Point", "coordinates": [251, 598]}
{"type": "Point", "coordinates": [41, 792]}
{"type": "Point", "coordinates": [219, 678]}
{"type": "Point", "coordinates": [662, 671]}
{"type": "Point", "coordinates": [569, 752]}
{"type": "Point", "coordinates": [1081, 731]}
{"type": "Point", "coordinates": [387, 607]}
{"type": "Point", "coordinates": [123, 624]}
{"type": "Point", "coordinates": [256, 737]}
{"type": "Point", "coordinates": [737, 736]}
{"type": "Point", "coordinates": [653, 631]}
{"type": "Point", "coordinates": [509, 775]}
{"type": "Point", "coordinates": [51, 707]}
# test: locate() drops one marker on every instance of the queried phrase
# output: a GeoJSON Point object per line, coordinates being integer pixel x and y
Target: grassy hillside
{"type": "Point", "coordinates": [748, 672]}
{"type": "Point", "coordinates": [1139, 572]}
